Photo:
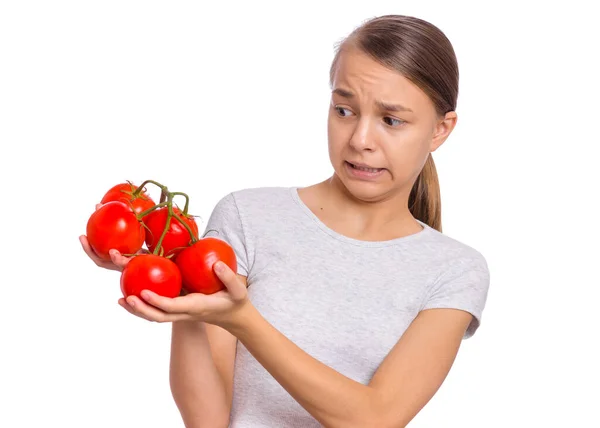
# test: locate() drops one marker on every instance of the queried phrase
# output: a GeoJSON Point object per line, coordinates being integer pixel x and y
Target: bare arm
{"type": "Point", "coordinates": [406, 380]}
{"type": "Point", "coordinates": [201, 372]}
{"type": "Point", "coordinates": [202, 358]}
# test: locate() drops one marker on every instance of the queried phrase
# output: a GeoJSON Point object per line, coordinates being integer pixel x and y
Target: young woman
{"type": "Point", "coordinates": [349, 304]}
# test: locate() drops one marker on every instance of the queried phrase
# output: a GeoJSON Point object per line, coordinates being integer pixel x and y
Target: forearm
{"type": "Point", "coordinates": [196, 385]}
{"type": "Point", "coordinates": [330, 397]}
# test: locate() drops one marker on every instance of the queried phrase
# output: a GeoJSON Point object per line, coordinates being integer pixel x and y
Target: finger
{"type": "Point", "coordinates": [119, 260]}
{"type": "Point", "coordinates": [176, 305]}
{"type": "Point", "coordinates": [129, 309]}
{"type": "Point", "coordinates": [86, 247]}
{"type": "Point", "coordinates": [98, 206]}
{"type": "Point", "coordinates": [141, 309]}
{"type": "Point", "coordinates": [152, 313]}
{"type": "Point", "coordinates": [236, 289]}
{"type": "Point", "coordinates": [90, 252]}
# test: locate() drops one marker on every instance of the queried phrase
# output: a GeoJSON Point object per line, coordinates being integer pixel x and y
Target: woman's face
{"type": "Point", "coordinates": [381, 128]}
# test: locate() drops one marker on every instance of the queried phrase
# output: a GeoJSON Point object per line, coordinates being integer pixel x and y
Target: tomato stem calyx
{"type": "Point", "coordinates": [166, 200]}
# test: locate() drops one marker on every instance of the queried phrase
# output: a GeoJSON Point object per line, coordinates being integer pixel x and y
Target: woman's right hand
{"type": "Point", "coordinates": [117, 261]}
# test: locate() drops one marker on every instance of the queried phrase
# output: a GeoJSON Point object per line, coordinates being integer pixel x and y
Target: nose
{"type": "Point", "coordinates": [363, 135]}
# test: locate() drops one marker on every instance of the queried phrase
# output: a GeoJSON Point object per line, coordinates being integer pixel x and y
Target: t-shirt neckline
{"type": "Point", "coordinates": [357, 242]}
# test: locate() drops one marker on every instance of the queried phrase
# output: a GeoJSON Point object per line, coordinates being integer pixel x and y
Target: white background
{"type": "Point", "coordinates": [216, 97]}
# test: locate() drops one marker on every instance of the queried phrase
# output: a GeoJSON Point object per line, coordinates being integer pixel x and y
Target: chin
{"type": "Point", "coordinates": [367, 192]}
{"type": "Point", "coordinates": [364, 190]}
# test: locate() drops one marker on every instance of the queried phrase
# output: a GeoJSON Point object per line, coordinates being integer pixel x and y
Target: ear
{"type": "Point", "coordinates": [442, 130]}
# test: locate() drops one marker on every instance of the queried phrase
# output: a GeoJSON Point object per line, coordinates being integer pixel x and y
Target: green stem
{"type": "Point", "coordinates": [165, 194]}
{"type": "Point", "coordinates": [141, 187]}
{"type": "Point", "coordinates": [169, 205]}
{"type": "Point", "coordinates": [187, 201]}
{"type": "Point", "coordinates": [185, 213]}
{"type": "Point", "coordinates": [210, 230]}
{"type": "Point", "coordinates": [149, 210]}
{"type": "Point", "coordinates": [187, 227]}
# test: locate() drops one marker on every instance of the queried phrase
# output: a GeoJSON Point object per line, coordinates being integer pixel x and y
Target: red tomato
{"type": "Point", "coordinates": [115, 226]}
{"type": "Point", "coordinates": [196, 264]}
{"type": "Point", "coordinates": [123, 192]}
{"type": "Point", "coordinates": [151, 272]}
{"type": "Point", "coordinates": [177, 235]}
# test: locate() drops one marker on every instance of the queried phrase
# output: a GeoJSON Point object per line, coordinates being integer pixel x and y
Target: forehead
{"type": "Point", "coordinates": [366, 78]}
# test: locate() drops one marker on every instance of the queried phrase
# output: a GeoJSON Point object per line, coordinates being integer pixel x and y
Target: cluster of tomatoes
{"type": "Point", "coordinates": [176, 260]}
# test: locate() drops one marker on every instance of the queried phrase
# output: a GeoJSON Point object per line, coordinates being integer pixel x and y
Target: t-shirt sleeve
{"type": "Point", "coordinates": [464, 287]}
{"type": "Point", "coordinates": [225, 223]}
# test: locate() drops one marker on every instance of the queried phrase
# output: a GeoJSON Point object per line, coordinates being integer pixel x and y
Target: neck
{"type": "Point", "coordinates": [384, 218]}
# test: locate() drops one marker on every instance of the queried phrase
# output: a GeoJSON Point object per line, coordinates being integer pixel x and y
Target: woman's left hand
{"type": "Point", "coordinates": [221, 308]}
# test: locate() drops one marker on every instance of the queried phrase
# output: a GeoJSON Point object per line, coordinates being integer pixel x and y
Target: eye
{"type": "Point", "coordinates": [343, 111]}
{"type": "Point", "coordinates": [392, 121]}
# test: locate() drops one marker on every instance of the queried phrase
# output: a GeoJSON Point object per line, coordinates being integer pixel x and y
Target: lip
{"type": "Point", "coordinates": [363, 175]}
{"type": "Point", "coordinates": [363, 165]}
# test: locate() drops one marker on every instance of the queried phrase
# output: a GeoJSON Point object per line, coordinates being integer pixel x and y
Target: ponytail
{"type": "Point", "coordinates": [424, 201]}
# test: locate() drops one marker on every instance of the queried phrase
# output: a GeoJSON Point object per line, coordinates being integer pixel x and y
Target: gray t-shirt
{"type": "Point", "coordinates": [344, 301]}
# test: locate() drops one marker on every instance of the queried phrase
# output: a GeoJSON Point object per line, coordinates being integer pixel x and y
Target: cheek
{"type": "Point", "coordinates": [408, 154]}
{"type": "Point", "coordinates": [336, 138]}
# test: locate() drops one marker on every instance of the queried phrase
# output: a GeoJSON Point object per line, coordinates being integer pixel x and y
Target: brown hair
{"type": "Point", "coordinates": [424, 55]}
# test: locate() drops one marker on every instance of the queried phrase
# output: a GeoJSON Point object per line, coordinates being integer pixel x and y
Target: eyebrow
{"type": "Point", "coordinates": [382, 105]}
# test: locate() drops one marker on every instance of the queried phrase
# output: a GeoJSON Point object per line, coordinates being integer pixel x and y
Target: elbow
{"type": "Point", "coordinates": [375, 420]}
{"type": "Point", "coordinates": [369, 421]}
{"type": "Point", "coordinates": [389, 418]}
{"type": "Point", "coordinates": [386, 423]}
{"type": "Point", "coordinates": [380, 415]}
{"type": "Point", "coordinates": [374, 416]}
{"type": "Point", "coordinates": [204, 423]}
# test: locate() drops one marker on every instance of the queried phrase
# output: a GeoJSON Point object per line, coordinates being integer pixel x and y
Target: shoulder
{"type": "Point", "coordinates": [253, 196]}
{"type": "Point", "coordinates": [454, 254]}
{"type": "Point", "coordinates": [463, 278]}
{"type": "Point", "coordinates": [255, 205]}
{"type": "Point", "coordinates": [243, 215]}
{"type": "Point", "coordinates": [260, 195]}
{"type": "Point", "coordinates": [256, 201]}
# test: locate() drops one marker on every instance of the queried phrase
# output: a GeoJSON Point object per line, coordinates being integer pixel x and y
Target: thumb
{"type": "Point", "coordinates": [236, 288]}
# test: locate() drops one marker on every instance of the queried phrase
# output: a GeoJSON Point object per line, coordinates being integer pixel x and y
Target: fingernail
{"type": "Point", "coordinates": [146, 294]}
{"type": "Point", "coordinates": [131, 303]}
{"type": "Point", "coordinates": [219, 266]}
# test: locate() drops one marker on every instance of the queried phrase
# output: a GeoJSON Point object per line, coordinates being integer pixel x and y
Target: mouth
{"type": "Point", "coordinates": [364, 168]}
